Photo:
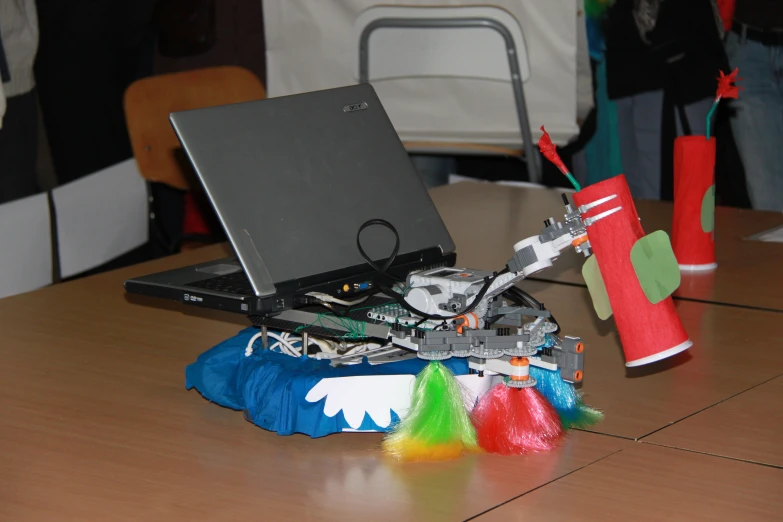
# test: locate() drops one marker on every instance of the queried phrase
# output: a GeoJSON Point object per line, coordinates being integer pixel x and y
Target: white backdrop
{"type": "Point", "coordinates": [311, 45]}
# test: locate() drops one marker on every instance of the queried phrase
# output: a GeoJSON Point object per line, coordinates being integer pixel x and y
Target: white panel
{"type": "Point", "coordinates": [400, 53]}
{"type": "Point", "coordinates": [313, 46]}
{"type": "Point", "coordinates": [25, 245]}
{"type": "Point", "coordinates": [100, 217]}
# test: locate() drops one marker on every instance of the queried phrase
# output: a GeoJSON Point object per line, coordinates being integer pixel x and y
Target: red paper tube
{"type": "Point", "coordinates": [693, 237]}
{"type": "Point", "coordinates": [648, 332]}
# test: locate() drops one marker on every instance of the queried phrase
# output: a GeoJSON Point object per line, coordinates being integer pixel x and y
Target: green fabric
{"type": "Point", "coordinates": [595, 285]}
{"type": "Point", "coordinates": [656, 266]}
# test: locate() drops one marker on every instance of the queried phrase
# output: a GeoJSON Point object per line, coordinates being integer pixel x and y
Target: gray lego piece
{"type": "Point", "coordinates": [518, 310]}
{"type": "Point", "coordinates": [522, 258]}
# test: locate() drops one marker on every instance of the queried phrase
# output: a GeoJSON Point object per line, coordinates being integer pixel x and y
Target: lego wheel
{"type": "Point", "coordinates": [527, 383]}
{"type": "Point", "coordinates": [527, 349]}
{"type": "Point", "coordinates": [435, 355]}
{"type": "Point", "coordinates": [544, 327]}
{"type": "Point", "coordinates": [483, 353]}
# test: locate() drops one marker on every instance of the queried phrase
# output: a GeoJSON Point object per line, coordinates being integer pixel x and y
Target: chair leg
{"type": "Point", "coordinates": [531, 154]}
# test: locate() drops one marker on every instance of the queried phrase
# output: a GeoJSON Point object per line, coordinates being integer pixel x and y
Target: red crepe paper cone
{"type": "Point", "coordinates": [549, 150]}
{"type": "Point", "coordinates": [725, 87]}
{"type": "Point", "coordinates": [693, 237]}
{"type": "Point", "coordinates": [648, 332]}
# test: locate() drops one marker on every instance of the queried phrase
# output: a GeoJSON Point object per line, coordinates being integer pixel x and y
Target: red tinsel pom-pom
{"type": "Point", "coordinates": [512, 421]}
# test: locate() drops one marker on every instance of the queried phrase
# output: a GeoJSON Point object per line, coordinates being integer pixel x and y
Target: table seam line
{"type": "Point", "coordinates": [542, 485]}
{"type": "Point", "coordinates": [708, 454]}
{"type": "Point", "coordinates": [640, 439]}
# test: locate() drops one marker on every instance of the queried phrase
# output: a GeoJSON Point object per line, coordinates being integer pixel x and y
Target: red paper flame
{"type": "Point", "coordinates": [725, 87]}
{"type": "Point", "coordinates": [549, 150]}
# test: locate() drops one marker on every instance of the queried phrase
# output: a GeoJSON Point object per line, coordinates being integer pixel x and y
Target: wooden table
{"type": "Point", "coordinates": [652, 483]}
{"type": "Point", "coordinates": [96, 424]}
{"type": "Point", "coordinates": [641, 401]}
{"type": "Point", "coordinates": [486, 220]}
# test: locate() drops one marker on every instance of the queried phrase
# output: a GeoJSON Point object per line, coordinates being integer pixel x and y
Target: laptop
{"type": "Point", "coordinates": [292, 179]}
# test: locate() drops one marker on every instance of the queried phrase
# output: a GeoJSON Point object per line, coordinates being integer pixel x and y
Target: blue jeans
{"type": "Point", "coordinates": [639, 119]}
{"type": "Point", "coordinates": [434, 169]}
{"type": "Point", "coordinates": [757, 120]}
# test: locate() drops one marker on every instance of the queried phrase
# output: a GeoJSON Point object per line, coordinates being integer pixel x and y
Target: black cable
{"type": "Point", "coordinates": [525, 297]}
{"type": "Point", "coordinates": [382, 270]}
{"type": "Point", "coordinates": [401, 299]}
{"type": "Point", "coordinates": [520, 295]}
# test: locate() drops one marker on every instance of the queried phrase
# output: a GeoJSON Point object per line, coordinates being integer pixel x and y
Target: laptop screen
{"type": "Point", "coordinates": [293, 178]}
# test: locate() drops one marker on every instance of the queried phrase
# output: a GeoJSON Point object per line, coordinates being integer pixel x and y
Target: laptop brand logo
{"type": "Point", "coordinates": [355, 107]}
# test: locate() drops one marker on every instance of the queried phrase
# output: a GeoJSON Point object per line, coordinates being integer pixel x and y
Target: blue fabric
{"type": "Point", "coordinates": [270, 387]}
{"type": "Point", "coordinates": [595, 38]}
{"type": "Point", "coordinates": [602, 153]}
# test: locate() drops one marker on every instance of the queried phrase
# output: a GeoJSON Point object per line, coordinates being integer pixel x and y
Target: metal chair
{"type": "Point", "coordinates": [407, 42]}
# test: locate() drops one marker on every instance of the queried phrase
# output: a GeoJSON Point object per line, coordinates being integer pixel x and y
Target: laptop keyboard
{"type": "Point", "coordinates": [236, 283]}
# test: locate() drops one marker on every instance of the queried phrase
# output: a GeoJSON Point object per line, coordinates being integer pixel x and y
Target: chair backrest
{"type": "Point", "coordinates": [25, 245]}
{"type": "Point", "coordinates": [149, 101]}
{"type": "Point", "coordinates": [447, 41]}
{"type": "Point", "coordinates": [100, 217]}
{"type": "Point", "coordinates": [314, 45]}
{"type": "Point", "coordinates": [484, 43]}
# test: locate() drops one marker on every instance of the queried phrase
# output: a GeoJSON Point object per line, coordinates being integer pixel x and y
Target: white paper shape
{"type": "Point", "coordinates": [773, 235]}
{"type": "Point", "coordinates": [100, 217]}
{"type": "Point", "coordinates": [376, 395]}
{"type": "Point", "coordinates": [25, 245]}
{"type": "Point", "coordinates": [379, 395]}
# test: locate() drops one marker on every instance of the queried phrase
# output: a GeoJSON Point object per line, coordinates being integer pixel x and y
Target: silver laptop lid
{"type": "Point", "coordinates": [292, 179]}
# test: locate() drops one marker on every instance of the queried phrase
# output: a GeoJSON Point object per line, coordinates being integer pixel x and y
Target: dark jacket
{"type": "Point", "coordinates": [682, 55]}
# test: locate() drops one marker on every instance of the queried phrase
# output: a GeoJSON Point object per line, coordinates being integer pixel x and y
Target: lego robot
{"type": "Point", "coordinates": [467, 313]}
{"type": "Point", "coordinates": [444, 312]}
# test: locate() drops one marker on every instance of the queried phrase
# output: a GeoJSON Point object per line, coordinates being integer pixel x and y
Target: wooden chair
{"type": "Point", "coordinates": [148, 104]}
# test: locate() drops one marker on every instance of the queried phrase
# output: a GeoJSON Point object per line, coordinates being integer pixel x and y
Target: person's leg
{"type": "Point", "coordinates": [639, 128]}
{"type": "Point", "coordinates": [87, 56]}
{"type": "Point", "coordinates": [757, 121]}
{"type": "Point", "coordinates": [696, 113]}
{"type": "Point", "coordinates": [434, 170]}
{"type": "Point", "coordinates": [18, 148]}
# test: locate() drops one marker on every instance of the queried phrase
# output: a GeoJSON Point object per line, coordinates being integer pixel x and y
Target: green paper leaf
{"type": "Point", "coordinates": [708, 210]}
{"type": "Point", "coordinates": [656, 266]}
{"type": "Point", "coordinates": [597, 289]}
